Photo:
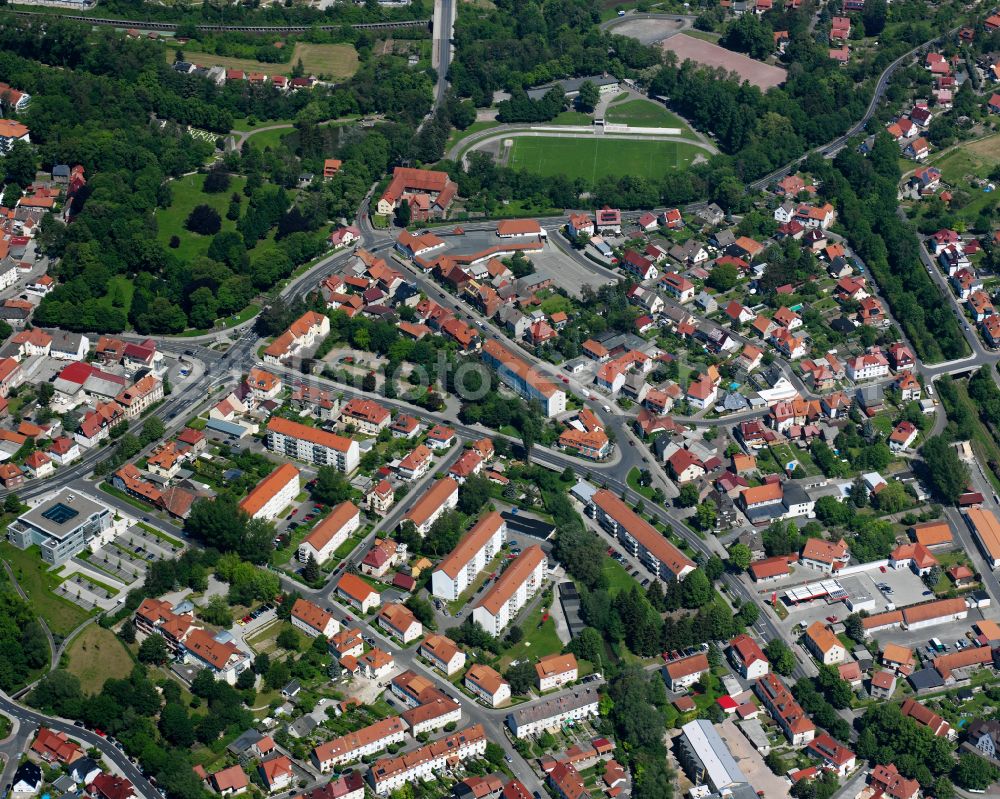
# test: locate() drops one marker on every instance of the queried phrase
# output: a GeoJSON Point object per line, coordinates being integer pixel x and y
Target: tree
{"type": "Point", "coordinates": [204, 220]}
{"type": "Point", "coordinates": [975, 773]}
{"type": "Point", "coordinates": [854, 628]}
{"type": "Point", "coordinates": [127, 632]}
{"type": "Point", "coordinates": [404, 214]}
{"type": "Point", "coordinates": [723, 277]}
{"type": "Point", "coordinates": [12, 503]}
{"type": "Point", "coordinates": [740, 556]}
{"type": "Point", "coordinates": [588, 98]}
{"type": "Point", "coordinates": [216, 181]}
{"type": "Point", "coordinates": [474, 494]}
{"type": "Point", "coordinates": [246, 680]}
{"type": "Point", "coordinates": [696, 590]}
{"type": "Point", "coordinates": [154, 650]}
{"type": "Point", "coordinates": [781, 657]}
{"type": "Point", "coordinates": [176, 726]}
{"type": "Point", "coordinates": [748, 614]}
{"type": "Point", "coordinates": [288, 639]}
{"type": "Point", "coordinates": [311, 572]}
{"type": "Point", "coordinates": [331, 486]}
{"type": "Point", "coordinates": [688, 495]}
{"type": "Point", "coordinates": [873, 17]}
{"type": "Point", "coordinates": [706, 515]}
{"type": "Point", "coordinates": [153, 430]}
{"type": "Point", "coordinates": [515, 634]}
{"type": "Point", "coordinates": [19, 164]}
{"type": "Point", "coordinates": [892, 498]}
{"type": "Point", "coordinates": [217, 611]}
{"type": "Point", "coordinates": [948, 474]}
{"type": "Point", "coordinates": [521, 677]}
{"type": "Point", "coordinates": [589, 645]}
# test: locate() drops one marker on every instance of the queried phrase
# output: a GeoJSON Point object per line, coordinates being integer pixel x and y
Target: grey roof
{"type": "Point", "coordinates": [718, 763]}
{"type": "Point", "coordinates": [926, 679]}
{"type": "Point", "coordinates": [563, 702]}
{"type": "Point", "coordinates": [64, 341]}
{"type": "Point", "coordinates": [735, 402]}
{"type": "Point", "coordinates": [571, 85]}
{"type": "Point", "coordinates": [60, 171]}
{"type": "Point", "coordinates": [244, 741]}
{"type": "Point", "coordinates": [302, 727]}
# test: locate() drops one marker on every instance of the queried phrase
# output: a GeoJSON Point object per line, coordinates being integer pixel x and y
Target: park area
{"type": "Point", "coordinates": [187, 193]}
{"type": "Point", "coordinates": [596, 157]}
{"type": "Point", "coordinates": [335, 61]}
{"type": "Point", "coordinates": [966, 168]}
{"type": "Point", "coordinates": [96, 655]}
{"type": "Point", "coordinates": [764, 76]}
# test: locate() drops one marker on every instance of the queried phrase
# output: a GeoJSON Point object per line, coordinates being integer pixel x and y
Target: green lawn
{"type": "Point", "coordinates": [480, 125]}
{"type": "Point", "coordinates": [618, 577]}
{"type": "Point", "coordinates": [97, 655]}
{"type": "Point", "coordinates": [187, 193]}
{"type": "Point", "coordinates": [119, 294]}
{"type": "Point", "coordinates": [39, 584]}
{"type": "Point", "coordinates": [269, 138]}
{"type": "Point", "coordinates": [555, 303]}
{"type": "Point", "coordinates": [597, 157]}
{"type": "Point", "coordinates": [540, 639]}
{"type": "Point", "coordinates": [645, 114]}
{"type": "Point", "coordinates": [572, 118]}
{"type": "Point", "coordinates": [633, 483]}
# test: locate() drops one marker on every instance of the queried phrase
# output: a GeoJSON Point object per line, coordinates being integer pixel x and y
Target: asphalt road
{"type": "Point", "coordinates": [112, 753]}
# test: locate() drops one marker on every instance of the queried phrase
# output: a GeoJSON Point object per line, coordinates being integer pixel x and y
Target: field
{"type": "Point", "coordinates": [97, 655]}
{"type": "Point", "coordinates": [758, 73]}
{"type": "Point", "coordinates": [644, 114]}
{"type": "Point", "coordinates": [595, 157]}
{"type": "Point", "coordinates": [38, 583]}
{"type": "Point", "coordinates": [333, 60]}
{"type": "Point", "coordinates": [187, 193]}
{"type": "Point", "coordinates": [977, 158]}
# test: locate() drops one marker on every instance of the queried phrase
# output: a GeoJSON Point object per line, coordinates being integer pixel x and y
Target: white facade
{"type": "Point", "coordinates": [388, 774]}
{"type": "Point", "coordinates": [323, 546]}
{"type": "Point", "coordinates": [344, 459]}
{"type": "Point", "coordinates": [459, 570]}
{"type": "Point", "coordinates": [494, 616]}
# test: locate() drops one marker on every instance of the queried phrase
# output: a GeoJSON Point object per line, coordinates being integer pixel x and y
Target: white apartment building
{"type": "Point", "coordinates": [571, 705]}
{"type": "Point", "coordinates": [555, 671]}
{"type": "Point", "coordinates": [472, 554]}
{"type": "Point", "coordinates": [312, 445]}
{"type": "Point", "coordinates": [272, 494]}
{"type": "Point", "coordinates": [440, 497]}
{"type": "Point", "coordinates": [355, 745]}
{"type": "Point", "coordinates": [313, 620]}
{"type": "Point", "coordinates": [389, 773]}
{"type": "Point", "coordinates": [521, 581]}
{"type": "Point", "coordinates": [327, 536]}
{"type": "Point", "coordinates": [442, 653]}
{"type": "Point", "coordinates": [487, 684]}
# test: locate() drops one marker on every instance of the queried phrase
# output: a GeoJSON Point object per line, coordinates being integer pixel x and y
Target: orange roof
{"type": "Point", "coordinates": [12, 130]}
{"type": "Point", "coordinates": [311, 614]}
{"type": "Point", "coordinates": [485, 677]}
{"type": "Point", "coordinates": [552, 665]}
{"type": "Point", "coordinates": [932, 533]}
{"type": "Point", "coordinates": [933, 610]}
{"type": "Point", "coordinates": [987, 528]}
{"type": "Point", "coordinates": [769, 492]}
{"type": "Point", "coordinates": [397, 616]}
{"type": "Point", "coordinates": [313, 435]}
{"type": "Point", "coordinates": [824, 551]}
{"type": "Point", "coordinates": [641, 530]}
{"type": "Point", "coordinates": [432, 499]}
{"type": "Point", "coordinates": [522, 369]}
{"type": "Point", "coordinates": [822, 637]}
{"type": "Point", "coordinates": [685, 667]}
{"type": "Point", "coordinates": [355, 587]}
{"type": "Point", "coordinates": [441, 647]}
{"type": "Point", "coordinates": [894, 653]}
{"type": "Point", "coordinates": [365, 409]}
{"type": "Point", "coordinates": [268, 488]}
{"type": "Point", "coordinates": [323, 532]}
{"type": "Point", "coordinates": [470, 544]}
{"type": "Point", "coordinates": [518, 227]}
{"type": "Point", "coordinates": [514, 576]}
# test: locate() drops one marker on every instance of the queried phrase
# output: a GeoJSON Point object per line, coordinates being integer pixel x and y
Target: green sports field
{"type": "Point", "coordinates": [597, 157]}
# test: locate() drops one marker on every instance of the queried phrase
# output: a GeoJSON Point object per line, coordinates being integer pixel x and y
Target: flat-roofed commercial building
{"type": "Point", "coordinates": [472, 554]}
{"type": "Point", "coordinates": [62, 526]}
{"type": "Point", "coordinates": [512, 590]}
{"type": "Point", "coordinates": [643, 540]}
